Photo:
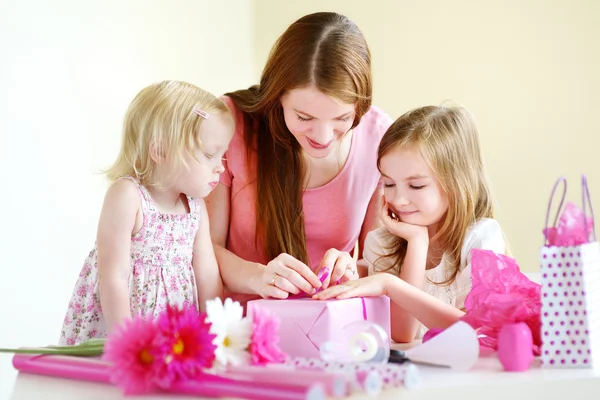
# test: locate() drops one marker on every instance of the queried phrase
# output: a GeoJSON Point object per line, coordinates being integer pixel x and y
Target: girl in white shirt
{"type": "Point", "coordinates": [437, 207]}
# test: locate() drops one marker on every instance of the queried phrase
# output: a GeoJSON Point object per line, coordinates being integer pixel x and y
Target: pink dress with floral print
{"type": "Point", "coordinates": [161, 272]}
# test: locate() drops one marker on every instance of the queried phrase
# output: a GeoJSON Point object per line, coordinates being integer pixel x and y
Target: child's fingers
{"type": "Point", "coordinates": [330, 292]}
{"type": "Point", "coordinates": [383, 211]}
{"type": "Point", "coordinates": [356, 288]}
{"type": "Point", "coordinates": [323, 294]}
{"type": "Point", "coordinates": [352, 292]}
{"type": "Point", "coordinates": [386, 219]}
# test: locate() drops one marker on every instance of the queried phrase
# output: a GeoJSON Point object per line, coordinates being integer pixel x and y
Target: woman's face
{"type": "Point", "coordinates": [316, 120]}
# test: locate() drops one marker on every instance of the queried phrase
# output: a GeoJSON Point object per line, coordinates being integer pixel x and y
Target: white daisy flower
{"type": "Point", "coordinates": [233, 332]}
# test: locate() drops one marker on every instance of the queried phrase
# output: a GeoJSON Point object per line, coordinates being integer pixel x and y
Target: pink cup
{"type": "Point", "coordinates": [515, 347]}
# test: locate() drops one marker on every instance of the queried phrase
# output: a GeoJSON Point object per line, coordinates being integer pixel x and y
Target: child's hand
{"type": "Point", "coordinates": [401, 229]}
{"type": "Point", "coordinates": [342, 267]}
{"type": "Point", "coordinates": [371, 286]}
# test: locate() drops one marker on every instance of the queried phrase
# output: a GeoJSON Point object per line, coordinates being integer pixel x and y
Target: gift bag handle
{"type": "Point", "coordinates": [586, 199]}
{"type": "Point", "coordinates": [562, 180]}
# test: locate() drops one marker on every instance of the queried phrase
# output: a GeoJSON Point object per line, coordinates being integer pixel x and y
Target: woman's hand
{"type": "Point", "coordinates": [341, 266]}
{"type": "Point", "coordinates": [285, 275]}
{"type": "Point", "coordinates": [408, 232]}
{"type": "Point", "coordinates": [371, 286]}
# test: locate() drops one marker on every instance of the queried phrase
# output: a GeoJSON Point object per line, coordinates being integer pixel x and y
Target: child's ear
{"type": "Point", "coordinates": [157, 153]}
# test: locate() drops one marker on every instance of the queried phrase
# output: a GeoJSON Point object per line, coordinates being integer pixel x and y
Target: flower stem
{"type": "Point", "coordinates": [90, 348]}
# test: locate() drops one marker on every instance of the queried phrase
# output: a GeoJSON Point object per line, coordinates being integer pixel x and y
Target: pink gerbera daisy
{"type": "Point", "coordinates": [129, 349]}
{"type": "Point", "coordinates": [264, 346]}
{"type": "Point", "coordinates": [184, 345]}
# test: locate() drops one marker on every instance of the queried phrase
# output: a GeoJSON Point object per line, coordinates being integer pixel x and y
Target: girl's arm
{"type": "Point", "coordinates": [121, 216]}
{"type": "Point", "coordinates": [405, 310]}
{"type": "Point", "coordinates": [431, 311]}
{"type": "Point", "coordinates": [406, 299]}
{"type": "Point", "coordinates": [404, 323]}
{"type": "Point", "coordinates": [206, 269]}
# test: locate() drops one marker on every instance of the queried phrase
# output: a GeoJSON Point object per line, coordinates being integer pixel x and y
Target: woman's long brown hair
{"type": "Point", "coordinates": [325, 50]}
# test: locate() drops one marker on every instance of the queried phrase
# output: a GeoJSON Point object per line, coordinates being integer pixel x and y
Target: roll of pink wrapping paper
{"type": "Point", "coordinates": [218, 388]}
{"type": "Point", "coordinates": [92, 369]}
{"type": "Point", "coordinates": [336, 384]}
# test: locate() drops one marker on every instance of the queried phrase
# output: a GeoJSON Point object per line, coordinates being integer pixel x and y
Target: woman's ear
{"type": "Point", "coordinates": [157, 153]}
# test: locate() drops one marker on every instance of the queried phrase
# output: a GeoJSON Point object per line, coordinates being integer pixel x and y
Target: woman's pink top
{"type": "Point", "coordinates": [333, 213]}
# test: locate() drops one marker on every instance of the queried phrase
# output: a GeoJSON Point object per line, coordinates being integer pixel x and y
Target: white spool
{"type": "Point", "coordinates": [363, 347]}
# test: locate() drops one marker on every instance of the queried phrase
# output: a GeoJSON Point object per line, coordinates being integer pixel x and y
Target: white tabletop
{"type": "Point", "coordinates": [486, 381]}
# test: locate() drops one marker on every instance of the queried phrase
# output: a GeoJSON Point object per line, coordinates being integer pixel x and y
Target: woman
{"type": "Point", "coordinates": [300, 187]}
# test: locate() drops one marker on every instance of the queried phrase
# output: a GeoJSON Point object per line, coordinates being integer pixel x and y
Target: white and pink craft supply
{"type": "Point", "coordinates": [391, 375]}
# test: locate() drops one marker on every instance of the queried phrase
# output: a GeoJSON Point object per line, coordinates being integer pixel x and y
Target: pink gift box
{"type": "Point", "coordinates": [306, 324]}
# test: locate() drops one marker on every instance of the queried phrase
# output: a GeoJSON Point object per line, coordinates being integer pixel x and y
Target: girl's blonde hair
{"type": "Point", "coordinates": [448, 140]}
{"type": "Point", "coordinates": [162, 115]}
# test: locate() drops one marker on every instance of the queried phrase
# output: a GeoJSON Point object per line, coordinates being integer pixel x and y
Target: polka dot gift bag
{"type": "Point", "coordinates": [570, 268]}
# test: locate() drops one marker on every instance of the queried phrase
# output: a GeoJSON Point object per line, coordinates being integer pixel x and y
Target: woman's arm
{"type": "Point", "coordinates": [206, 269]}
{"type": "Point", "coordinates": [121, 213]}
{"type": "Point", "coordinates": [277, 279]}
{"type": "Point", "coordinates": [238, 275]}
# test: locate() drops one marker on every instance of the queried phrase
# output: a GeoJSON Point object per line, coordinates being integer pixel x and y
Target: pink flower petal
{"type": "Point", "coordinates": [184, 345]}
{"type": "Point", "coordinates": [264, 346]}
{"type": "Point", "coordinates": [129, 349]}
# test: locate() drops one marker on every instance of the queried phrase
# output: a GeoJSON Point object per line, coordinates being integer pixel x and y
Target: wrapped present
{"type": "Point", "coordinates": [570, 268]}
{"type": "Point", "coordinates": [306, 324]}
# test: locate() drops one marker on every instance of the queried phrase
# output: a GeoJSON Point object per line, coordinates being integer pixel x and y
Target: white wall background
{"type": "Point", "coordinates": [68, 70]}
{"type": "Point", "coordinates": [528, 69]}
